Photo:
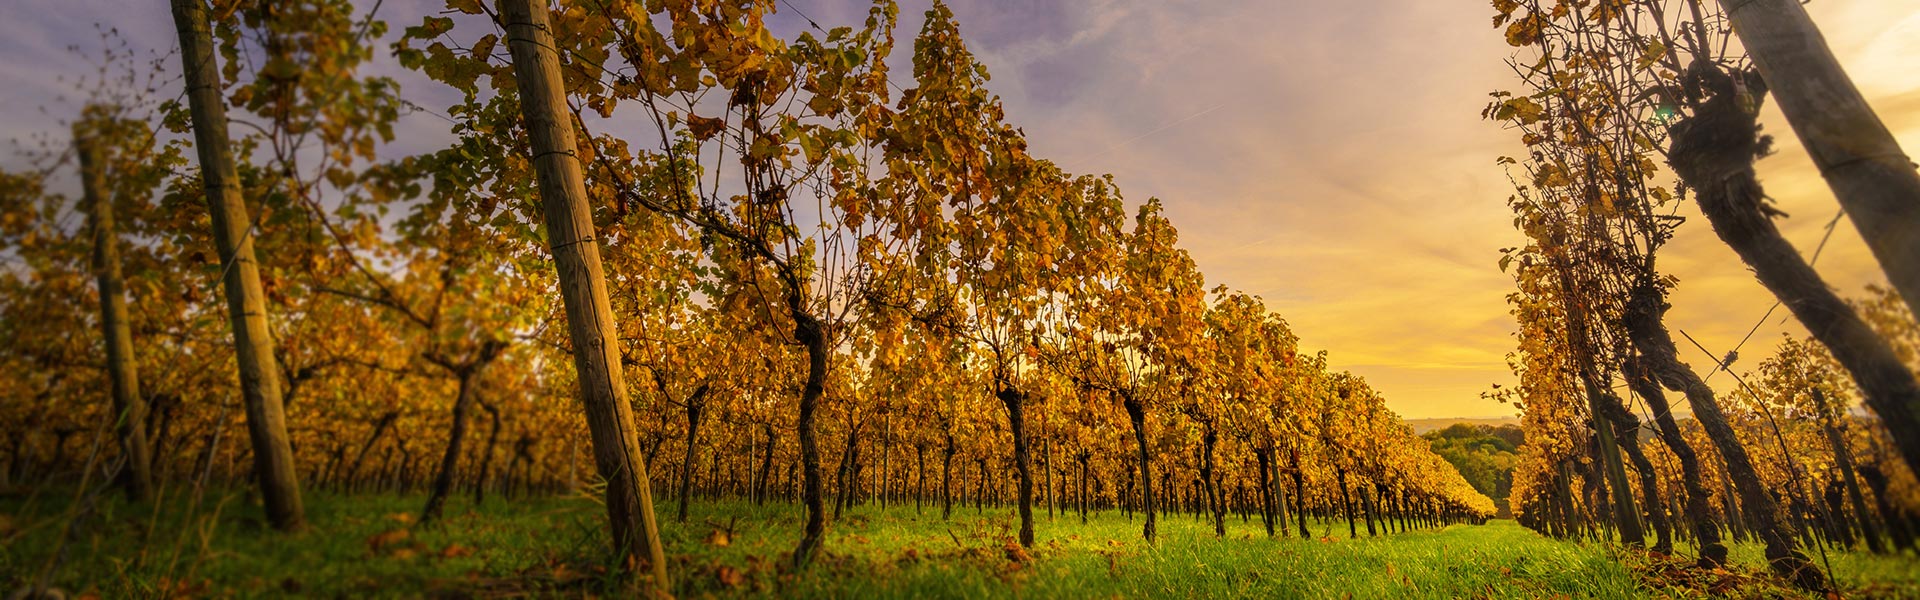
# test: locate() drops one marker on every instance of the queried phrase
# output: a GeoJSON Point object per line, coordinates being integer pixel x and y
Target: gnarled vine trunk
{"type": "Point", "coordinates": [946, 478]}
{"type": "Point", "coordinates": [1714, 151]}
{"type": "Point", "coordinates": [813, 336]}
{"type": "Point", "coordinates": [1216, 505]}
{"type": "Point", "coordinates": [1299, 491]}
{"type": "Point", "coordinates": [1843, 458]}
{"type": "Point", "coordinates": [1015, 400]}
{"type": "Point", "coordinates": [450, 459]}
{"type": "Point", "coordinates": [486, 455]}
{"type": "Point", "coordinates": [695, 405]}
{"type": "Point", "coordinates": [1706, 533]}
{"type": "Point", "coordinates": [1661, 361]}
{"type": "Point", "coordinates": [1264, 457]}
{"type": "Point", "coordinates": [1137, 415]}
{"type": "Point", "coordinates": [766, 466]}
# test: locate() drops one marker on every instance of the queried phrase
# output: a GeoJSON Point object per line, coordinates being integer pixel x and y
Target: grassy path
{"type": "Point", "coordinates": [364, 546]}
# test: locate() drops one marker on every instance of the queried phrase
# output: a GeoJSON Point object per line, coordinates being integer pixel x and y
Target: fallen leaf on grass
{"type": "Point", "coordinates": [455, 551]}
{"type": "Point", "coordinates": [382, 540]}
{"type": "Point", "coordinates": [729, 576]}
{"type": "Point", "coordinates": [1017, 553]}
{"type": "Point", "coordinates": [182, 588]}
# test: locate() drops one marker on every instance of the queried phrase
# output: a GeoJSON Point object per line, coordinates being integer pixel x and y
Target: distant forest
{"type": "Point", "coordinates": [1483, 454]}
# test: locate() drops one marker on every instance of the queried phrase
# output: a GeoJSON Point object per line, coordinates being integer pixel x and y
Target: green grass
{"type": "Point", "coordinates": [364, 546]}
{"type": "Point", "coordinates": [1860, 572]}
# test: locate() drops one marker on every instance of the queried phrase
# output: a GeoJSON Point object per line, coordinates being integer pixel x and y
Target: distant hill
{"type": "Point", "coordinates": [1482, 450]}
{"type": "Point", "coordinates": [1421, 426]}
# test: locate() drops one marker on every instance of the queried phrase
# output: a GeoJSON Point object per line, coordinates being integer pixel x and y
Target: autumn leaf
{"type": "Point", "coordinates": [1526, 31]}
{"type": "Point", "coordinates": [729, 576]}
{"type": "Point", "coordinates": [703, 128]}
{"type": "Point", "coordinates": [1017, 553]}
{"type": "Point", "coordinates": [389, 538]}
{"type": "Point", "coordinates": [1522, 109]}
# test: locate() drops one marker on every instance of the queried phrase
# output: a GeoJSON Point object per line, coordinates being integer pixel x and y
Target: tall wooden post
{"type": "Point", "coordinates": [246, 303]}
{"type": "Point", "coordinates": [1872, 178]}
{"type": "Point", "coordinates": [583, 287]}
{"type": "Point", "coordinates": [129, 408]}
{"type": "Point", "coordinates": [1859, 157]}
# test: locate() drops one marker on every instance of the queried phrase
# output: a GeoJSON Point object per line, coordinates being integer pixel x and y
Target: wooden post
{"type": "Point", "coordinates": [233, 239]}
{"type": "Point", "coordinates": [1625, 515]}
{"type": "Point", "coordinates": [1872, 178]}
{"type": "Point", "coordinates": [129, 408]}
{"type": "Point", "coordinates": [583, 287]}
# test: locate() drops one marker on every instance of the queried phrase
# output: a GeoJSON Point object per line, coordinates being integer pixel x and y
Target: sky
{"type": "Point", "coordinates": [1326, 156]}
